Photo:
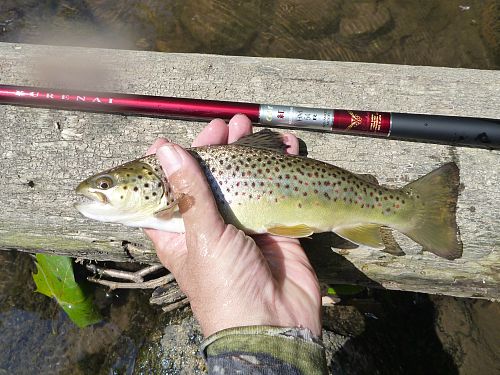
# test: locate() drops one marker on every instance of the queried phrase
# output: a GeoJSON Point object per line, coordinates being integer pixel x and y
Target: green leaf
{"type": "Point", "coordinates": [55, 278]}
{"type": "Point", "coordinates": [344, 290]}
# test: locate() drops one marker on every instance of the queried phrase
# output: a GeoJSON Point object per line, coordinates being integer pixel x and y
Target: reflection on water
{"type": "Point", "coordinates": [452, 33]}
{"type": "Point", "coordinates": [35, 337]}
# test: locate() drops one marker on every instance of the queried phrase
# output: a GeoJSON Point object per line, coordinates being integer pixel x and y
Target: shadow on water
{"type": "Point", "coordinates": [396, 336]}
{"type": "Point", "coordinates": [382, 331]}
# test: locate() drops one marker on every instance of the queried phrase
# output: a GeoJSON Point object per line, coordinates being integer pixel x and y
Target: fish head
{"type": "Point", "coordinates": [127, 194]}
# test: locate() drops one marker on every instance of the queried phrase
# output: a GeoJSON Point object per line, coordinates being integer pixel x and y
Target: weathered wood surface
{"type": "Point", "coordinates": [45, 153]}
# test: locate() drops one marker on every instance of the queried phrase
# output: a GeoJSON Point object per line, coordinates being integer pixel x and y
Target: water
{"type": "Point", "coordinates": [453, 33]}
{"type": "Point", "coordinates": [36, 337]}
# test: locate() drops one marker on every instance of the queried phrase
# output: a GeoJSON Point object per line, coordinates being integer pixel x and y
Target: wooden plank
{"type": "Point", "coordinates": [45, 153]}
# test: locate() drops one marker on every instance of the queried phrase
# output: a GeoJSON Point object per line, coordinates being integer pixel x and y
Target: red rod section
{"type": "Point", "coordinates": [126, 103]}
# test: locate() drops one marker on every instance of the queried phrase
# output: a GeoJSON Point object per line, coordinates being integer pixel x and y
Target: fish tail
{"type": "Point", "coordinates": [435, 226]}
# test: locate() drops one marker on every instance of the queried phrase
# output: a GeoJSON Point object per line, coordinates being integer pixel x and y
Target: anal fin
{"type": "Point", "coordinates": [363, 234]}
{"type": "Point", "coordinates": [296, 231]}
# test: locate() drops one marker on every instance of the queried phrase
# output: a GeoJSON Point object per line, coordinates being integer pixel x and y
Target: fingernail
{"type": "Point", "coordinates": [238, 119]}
{"type": "Point", "coordinates": [170, 158]}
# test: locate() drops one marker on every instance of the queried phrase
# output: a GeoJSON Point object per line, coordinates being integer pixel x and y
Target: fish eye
{"type": "Point", "coordinates": [104, 183]}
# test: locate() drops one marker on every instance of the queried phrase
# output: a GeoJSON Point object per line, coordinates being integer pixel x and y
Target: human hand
{"type": "Point", "coordinates": [231, 279]}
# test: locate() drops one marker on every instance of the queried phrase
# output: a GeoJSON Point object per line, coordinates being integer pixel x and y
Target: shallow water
{"type": "Point", "coordinates": [36, 337]}
{"type": "Point", "coordinates": [451, 33]}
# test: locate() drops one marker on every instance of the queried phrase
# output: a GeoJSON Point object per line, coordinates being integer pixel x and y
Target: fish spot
{"type": "Point", "coordinates": [136, 188]}
{"type": "Point", "coordinates": [300, 205]}
{"type": "Point", "coordinates": [139, 177]}
{"type": "Point", "coordinates": [125, 187]}
{"type": "Point", "coordinates": [159, 184]}
{"type": "Point", "coordinates": [146, 185]}
{"type": "Point", "coordinates": [154, 193]}
{"type": "Point", "coordinates": [146, 197]}
{"type": "Point", "coordinates": [121, 196]}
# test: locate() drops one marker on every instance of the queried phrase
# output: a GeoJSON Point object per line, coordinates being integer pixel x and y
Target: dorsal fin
{"type": "Point", "coordinates": [265, 139]}
{"type": "Point", "coordinates": [368, 178]}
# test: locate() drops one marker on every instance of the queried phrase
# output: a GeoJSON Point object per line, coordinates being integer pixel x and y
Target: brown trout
{"type": "Point", "coordinates": [260, 189]}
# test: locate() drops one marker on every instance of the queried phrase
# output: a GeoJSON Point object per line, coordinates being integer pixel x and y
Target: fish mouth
{"type": "Point", "coordinates": [90, 201]}
{"type": "Point", "coordinates": [94, 205]}
{"type": "Point", "coordinates": [84, 191]}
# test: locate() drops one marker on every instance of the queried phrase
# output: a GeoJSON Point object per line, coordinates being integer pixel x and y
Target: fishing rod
{"type": "Point", "coordinates": [464, 131]}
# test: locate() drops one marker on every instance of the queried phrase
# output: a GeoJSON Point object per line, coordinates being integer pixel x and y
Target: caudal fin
{"type": "Point", "coordinates": [435, 225]}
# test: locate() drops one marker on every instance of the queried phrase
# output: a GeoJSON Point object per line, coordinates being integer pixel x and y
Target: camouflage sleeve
{"type": "Point", "coordinates": [264, 350]}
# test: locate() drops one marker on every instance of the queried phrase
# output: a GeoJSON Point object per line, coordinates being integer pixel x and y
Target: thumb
{"type": "Point", "coordinates": [189, 184]}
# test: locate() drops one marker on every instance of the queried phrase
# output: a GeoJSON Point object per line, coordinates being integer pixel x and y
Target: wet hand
{"type": "Point", "coordinates": [230, 278]}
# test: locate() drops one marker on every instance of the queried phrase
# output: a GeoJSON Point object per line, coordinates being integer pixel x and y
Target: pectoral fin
{"type": "Point", "coordinates": [364, 234]}
{"type": "Point", "coordinates": [167, 212]}
{"type": "Point", "coordinates": [296, 231]}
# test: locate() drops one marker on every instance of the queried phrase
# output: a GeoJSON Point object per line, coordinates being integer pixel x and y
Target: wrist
{"type": "Point", "coordinates": [290, 347]}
